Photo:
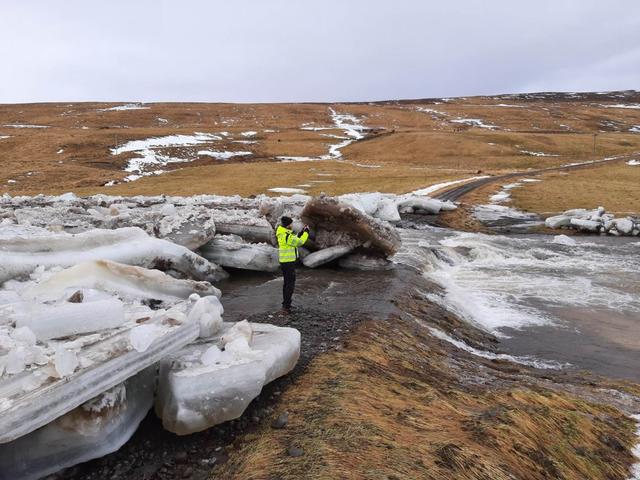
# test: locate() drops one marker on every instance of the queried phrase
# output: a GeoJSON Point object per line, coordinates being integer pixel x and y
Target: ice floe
{"type": "Point", "coordinates": [595, 221]}
{"type": "Point", "coordinates": [210, 382]}
{"type": "Point", "coordinates": [96, 428]}
{"type": "Point", "coordinates": [24, 250]}
{"type": "Point", "coordinates": [232, 251]}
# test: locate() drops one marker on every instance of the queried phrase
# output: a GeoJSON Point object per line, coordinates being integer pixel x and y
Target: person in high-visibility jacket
{"type": "Point", "coordinates": [288, 243]}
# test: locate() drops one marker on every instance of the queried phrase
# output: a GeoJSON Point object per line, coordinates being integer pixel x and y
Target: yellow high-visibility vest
{"type": "Point", "coordinates": [288, 243]}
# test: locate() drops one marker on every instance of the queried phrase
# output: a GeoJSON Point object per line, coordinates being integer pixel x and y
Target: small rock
{"type": "Point", "coordinates": [187, 472]}
{"type": "Point", "coordinates": [281, 421]}
{"type": "Point", "coordinates": [181, 457]}
{"type": "Point", "coordinates": [77, 297]}
{"type": "Point", "coordinates": [295, 452]}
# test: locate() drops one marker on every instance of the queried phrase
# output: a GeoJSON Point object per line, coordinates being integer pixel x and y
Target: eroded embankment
{"type": "Point", "coordinates": [395, 402]}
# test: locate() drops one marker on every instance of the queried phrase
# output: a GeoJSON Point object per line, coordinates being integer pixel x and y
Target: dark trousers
{"type": "Point", "coordinates": [289, 275]}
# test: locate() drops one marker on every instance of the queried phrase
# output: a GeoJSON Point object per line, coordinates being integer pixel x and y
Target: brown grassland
{"type": "Point", "coordinates": [410, 144]}
{"type": "Point", "coordinates": [393, 405]}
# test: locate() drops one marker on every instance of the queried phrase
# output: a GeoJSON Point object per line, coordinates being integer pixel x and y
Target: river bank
{"type": "Point", "coordinates": [382, 392]}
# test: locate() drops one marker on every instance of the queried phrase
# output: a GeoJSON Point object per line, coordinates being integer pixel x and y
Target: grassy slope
{"type": "Point", "coordinates": [393, 404]}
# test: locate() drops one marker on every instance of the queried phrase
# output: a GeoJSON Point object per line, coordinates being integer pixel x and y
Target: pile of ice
{"type": "Point", "coordinates": [388, 207]}
{"type": "Point", "coordinates": [595, 221]}
{"type": "Point", "coordinates": [232, 232]}
{"type": "Point", "coordinates": [80, 349]}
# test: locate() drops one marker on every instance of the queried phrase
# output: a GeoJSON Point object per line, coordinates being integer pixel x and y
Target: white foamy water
{"type": "Point", "coordinates": [502, 283]}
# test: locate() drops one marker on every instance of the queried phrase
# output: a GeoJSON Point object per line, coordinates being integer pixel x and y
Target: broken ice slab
{"type": "Point", "coordinates": [125, 281]}
{"type": "Point", "coordinates": [231, 251]}
{"type": "Point", "coordinates": [255, 230]}
{"type": "Point", "coordinates": [325, 255]}
{"type": "Point", "coordinates": [34, 397]}
{"type": "Point", "coordinates": [94, 429]}
{"type": "Point", "coordinates": [201, 386]}
{"type": "Point", "coordinates": [22, 250]}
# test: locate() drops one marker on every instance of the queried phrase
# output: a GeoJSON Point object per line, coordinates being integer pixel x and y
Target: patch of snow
{"type": "Point", "coordinates": [223, 155]}
{"type": "Point", "coordinates": [20, 125]}
{"type": "Point", "coordinates": [633, 162]}
{"type": "Point", "coordinates": [431, 111]}
{"type": "Point", "coordinates": [245, 142]}
{"type": "Point", "coordinates": [509, 106]}
{"type": "Point", "coordinates": [128, 106]}
{"type": "Point", "coordinates": [2, 137]}
{"type": "Point", "coordinates": [162, 120]}
{"type": "Point", "coordinates": [474, 122]}
{"type": "Point", "coordinates": [633, 106]}
{"type": "Point", "coordinates": [493, 213]}
{"type": "Point", "coordinates": [349, 124]}
{"type": "Point", "coordinates": [60, 151]}
{"type": "Point", "coordinates": [148, 157]}
{"type": "Point", "coordinates": [635, 129]}
{"type": "Point", "coordinates": [440, 186]}
{"type": "Point", "coordinates": [538, 154]}
{"type": "Point", "coordinates": [249, 134]}
{"type": "Point", "coordinates": [297, 159]}
{"type": "Point", "coordinates": [287, 190]}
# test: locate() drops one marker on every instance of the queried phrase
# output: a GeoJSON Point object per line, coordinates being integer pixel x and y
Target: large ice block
{"type": "Point", "coordinates": [94, 429]}
{"type": "Point", "coordinates": [325, 255]}
{"type": "Point", "coordinates": [126, 281]}
{"type": "Point", "coordinates": [229, 251]}
{"type": "Point", "coordinates": [22, 252]}
{"type": "Point", "coordinates": [201, 386]}
{"type": "Point", "coordinates": [35, 397]}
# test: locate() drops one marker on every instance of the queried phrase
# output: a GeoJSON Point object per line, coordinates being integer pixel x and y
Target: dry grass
{"type": "Point", "coordinates": [406, 139]}
{"type": "Point", "coordinates": [390, 406]}
{"type": "Point", "coordinates": [254, 178]}
{"type": "Point", "coordinates": [614, 186]}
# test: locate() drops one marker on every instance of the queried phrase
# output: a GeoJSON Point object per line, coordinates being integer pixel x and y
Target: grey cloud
{"type": "Point", "coordinates": [291, 50]}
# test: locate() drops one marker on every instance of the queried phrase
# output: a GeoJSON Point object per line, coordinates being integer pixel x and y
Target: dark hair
{"type": "Point", "coordinates": [286, 221]}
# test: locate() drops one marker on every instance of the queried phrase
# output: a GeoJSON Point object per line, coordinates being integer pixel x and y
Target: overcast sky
{"type": "Point", "coordinates": [325, 50]}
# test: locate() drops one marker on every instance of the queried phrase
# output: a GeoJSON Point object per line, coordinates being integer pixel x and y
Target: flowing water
{"type": "Point", "coordinates": [566, 300]}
